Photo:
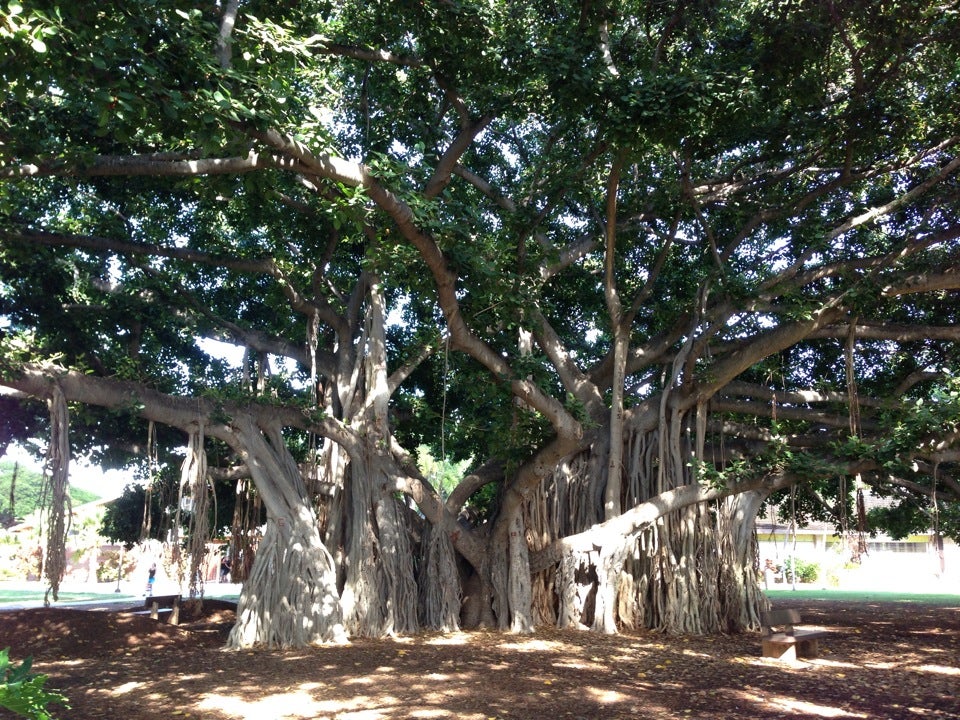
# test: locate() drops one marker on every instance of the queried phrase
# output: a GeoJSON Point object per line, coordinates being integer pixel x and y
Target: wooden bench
{"type": "Point", "coordinates": [783, 640]}
{"type": "Point", "coordinates": [171, 602]}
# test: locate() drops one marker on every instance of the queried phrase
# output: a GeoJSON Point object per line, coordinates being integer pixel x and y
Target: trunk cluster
{"type": "Point", "coordinates": [693, 570]}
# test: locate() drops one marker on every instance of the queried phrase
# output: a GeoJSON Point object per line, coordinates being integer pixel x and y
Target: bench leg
{"type": "Point", "coordinates": [154, 610]}
{"type": "Point", "coordinates": [808, 648]}
{"type": "Point", "coordinates": [779, 650]}
{"type": "Point", "coordinates": [175, 614]}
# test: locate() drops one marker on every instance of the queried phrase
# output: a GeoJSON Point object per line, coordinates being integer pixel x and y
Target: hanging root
{"type": "Point", "coordinates": [58, 463]}
{"type": "Point", "coordinates": [439, 601]}
{"type": "Point", "coordinates": [195, 476]}
{"type": "Point", "coordinates": [861, 522]}
{"type": "Point", "coordinates": [152, 470]}
{"type": "Point", "coordinates": [244, 531]}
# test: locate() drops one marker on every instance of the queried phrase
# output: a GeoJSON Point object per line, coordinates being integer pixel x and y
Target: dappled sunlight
{"type": "Point", "coordinates": [800, 708]}
{"type": "Point", "coordinates": [940, 669]}
{"type": "Point", "coordinates": [880, 665]}
{"type": "Point", "coordinates": [554, 674]}
{"type": "Point", "coordinates": [126, 687]}
{"type": "Point", "coordinates": [831, 663]}
{"type": "Point", "coordinates": [437, 677]}
{"type": "Point", "coordinates": [292, 705]}
{"type": "Point", "coordinates": [457, 638]}
{"type": "Point", "coordinates": [364, 680]}
{"type": "Point", "coordinates": [591, 664]}
{"type": "Point", "coordinates": [533, 645]}
{"type": "Point", "coordinates": [432, 713]}
{"type": "Point", "coordinates": [605, 696]}
{"type": "Point", "coordinates": [293, 657]}
{"type": "Point", "coordinates": [798, 664]}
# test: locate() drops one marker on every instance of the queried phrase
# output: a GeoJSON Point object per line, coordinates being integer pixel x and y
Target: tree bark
{"type": "Point", "coordinates": [290, 598]}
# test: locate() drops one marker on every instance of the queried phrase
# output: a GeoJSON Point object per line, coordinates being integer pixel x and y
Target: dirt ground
{"type": "Point", "coordinates": [883, 660]}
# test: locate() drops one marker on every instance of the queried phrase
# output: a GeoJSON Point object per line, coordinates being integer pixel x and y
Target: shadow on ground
{"type": "Point", "coordinates": [883, 660]}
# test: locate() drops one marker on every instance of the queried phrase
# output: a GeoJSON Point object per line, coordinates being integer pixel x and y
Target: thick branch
{"type": "Point", "coordinates": [643, 515]}
{"type": "Point", "coordinates": [490, 471]}
{"type": "Point", "coordinates": [762, 346]}
{"type": "Point", "coordinates": [744, 389]}
{"type": "Point", "coordinates": [322, 47]}
{"type": "Point", "coordinates": [175, 411]}
{"type": "Point", "coordinates": [444, 170]}
{"type": "Point", "coordinates": [224, 43]}
{"type": "Point", "coordinates": [574, 380]}
{"type": "Point", "coordinates": [762, 409]}
{"type": "Point", "coordinates": [897, 332]}
{"type": "Point", "coordinates": [356, 174]}
{"type": "Point", "coordinates": [158, 165]}
{"type": "Point", "coordinates": [264, 265]}
{"type": "Point", "coordinates": [898, 202]}
{"type": "Point", "coordinates": [948, 279]}
{"type": "Point", "coordinates": [404, 371]}
{"type": "Point", "coordinates": [121, 247]}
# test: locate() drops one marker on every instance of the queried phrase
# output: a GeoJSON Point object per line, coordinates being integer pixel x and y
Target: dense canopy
{"type": "Point", "coordinates": [644, 264]}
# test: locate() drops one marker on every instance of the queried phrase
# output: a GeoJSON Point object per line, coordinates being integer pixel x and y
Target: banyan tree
{"type": "Point", "coordinates": [646, 264]}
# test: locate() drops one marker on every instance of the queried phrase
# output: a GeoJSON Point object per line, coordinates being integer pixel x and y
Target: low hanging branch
{"type": "Point", "coordinates": [59, 510]}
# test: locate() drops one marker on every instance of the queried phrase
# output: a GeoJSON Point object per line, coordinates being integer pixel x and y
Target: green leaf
{"type": "Point", "coordinates": [23, 692]}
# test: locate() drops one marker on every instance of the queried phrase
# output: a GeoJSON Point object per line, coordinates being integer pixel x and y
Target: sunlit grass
{"type": "Point", "coordinates": [29, 596]}
{"type": "Point", "coordinates": [864, 596]}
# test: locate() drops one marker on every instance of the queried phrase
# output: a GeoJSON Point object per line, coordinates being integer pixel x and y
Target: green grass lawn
{"type": "Point", "coordinates": [10, 596]}
{"type": "Point", "coordinates": [13, 596]}
{"type": "Point", "coordinates": [864, 596]}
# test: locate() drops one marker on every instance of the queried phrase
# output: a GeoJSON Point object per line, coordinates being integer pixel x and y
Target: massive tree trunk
{"type": "Point", "coordinates": [380, 592]}
{"type": "Point", "coordinates": [438, 580]}
{"type": "Point", "coordinates": [739, 580]}
{"type": "Point", "coordinates": [368, 524]}
{"type": "Point", "coordinates": [692, 570]}
{"type": "Point", "coordinates": [290, 598]}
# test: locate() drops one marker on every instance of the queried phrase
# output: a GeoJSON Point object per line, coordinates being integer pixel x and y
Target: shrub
{"type": "Point", "coordinates": [807, 572]}
{"type": "Point", "coordinates": [23, 692]}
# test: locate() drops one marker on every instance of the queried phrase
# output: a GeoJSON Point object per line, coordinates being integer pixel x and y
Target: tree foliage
{"type": "Point", "coordinates": [631, 258]}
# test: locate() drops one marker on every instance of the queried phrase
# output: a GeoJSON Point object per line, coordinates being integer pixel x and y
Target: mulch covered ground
{"type": "Point", "coordinates": [884, 660]}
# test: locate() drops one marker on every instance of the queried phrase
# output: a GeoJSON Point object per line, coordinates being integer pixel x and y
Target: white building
{"type": "Point", "coordinates": [912, 564]}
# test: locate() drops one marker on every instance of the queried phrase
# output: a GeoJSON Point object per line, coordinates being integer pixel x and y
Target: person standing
{"type": "Point", "coordinates": [151, 578]}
